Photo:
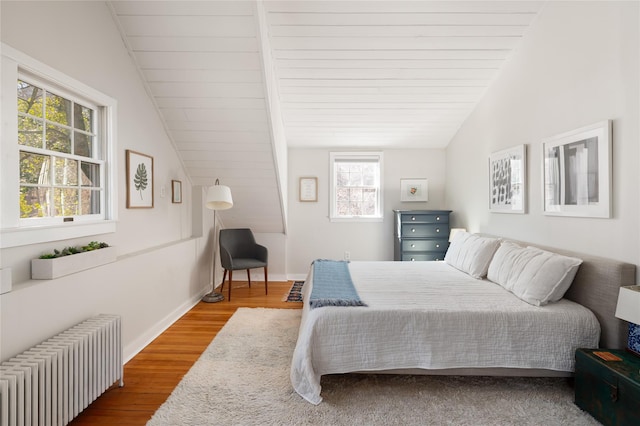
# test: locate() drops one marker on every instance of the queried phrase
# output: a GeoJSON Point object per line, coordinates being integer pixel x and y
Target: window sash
{"type": "Point", "coordinates": [53, 212]}
{"type": "Point", "coordinates": [358, 190]}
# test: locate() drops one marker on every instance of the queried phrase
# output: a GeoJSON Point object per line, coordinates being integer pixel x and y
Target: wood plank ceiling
{"type": "Point", "coordinates": [349, 74]}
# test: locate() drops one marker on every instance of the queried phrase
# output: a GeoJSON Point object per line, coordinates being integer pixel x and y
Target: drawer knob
{"type": "Point", "coordinates": [413, 229]}
{"type": "Point", "coordinates": [437, 229]}
{"type": "Point", "coordinates": [437, 217]}
{"type": "Point", "coordinates": [413, 218]}
{"type": "Point", "coordinates": [437, 245]}
{"type": "Point", "coordinates": [413, 245]}
{"type": "Point", "coordinates": [412, 259]}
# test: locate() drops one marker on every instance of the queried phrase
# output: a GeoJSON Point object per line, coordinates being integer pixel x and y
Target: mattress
{"type": "Point", "coordinates": [428, 315]}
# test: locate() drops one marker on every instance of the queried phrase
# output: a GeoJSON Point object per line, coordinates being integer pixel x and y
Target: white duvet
{"type": "Point", "coordinates": [428, 315]}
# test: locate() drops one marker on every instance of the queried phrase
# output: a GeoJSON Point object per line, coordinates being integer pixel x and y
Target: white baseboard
{"type": "Point", "coordinates": [297, 277]}
{"type": "Point", "coordinates": [133, 348]}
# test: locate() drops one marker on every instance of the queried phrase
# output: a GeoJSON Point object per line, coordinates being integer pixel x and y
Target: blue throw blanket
{"type": "Point", "coordinates": [332, 285]}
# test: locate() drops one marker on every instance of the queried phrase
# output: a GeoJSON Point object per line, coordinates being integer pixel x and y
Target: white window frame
{"type": "Point", "coordinates": [342, 156]}
{"type": "Point", "coordinates": [15, 231]}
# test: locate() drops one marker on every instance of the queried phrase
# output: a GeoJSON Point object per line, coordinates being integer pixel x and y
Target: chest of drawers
{"type": "Point", "coordinates": [420, 234]}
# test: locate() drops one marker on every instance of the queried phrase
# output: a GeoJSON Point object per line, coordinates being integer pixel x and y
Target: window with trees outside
{"type": "Point", "coordinates": [58, 155]}
{"type": "Point", "coordinates": [61, 172]}
{"type": "Point", "coordinates": [356, 186]}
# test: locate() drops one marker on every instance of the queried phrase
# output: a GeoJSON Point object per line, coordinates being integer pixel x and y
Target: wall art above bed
{"type": "Point", "coordinates": [577, 172]}
{"type": "Point", "coordinates": [507, 180]}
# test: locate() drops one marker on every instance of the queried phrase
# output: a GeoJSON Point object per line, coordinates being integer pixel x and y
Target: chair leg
{"type": "Point", "coordinates": [266, 291]}
{"type": "Point", "coordinates": [230, 281]}
{"type": "Point", "coordinates": [224, 277]}
{"type": "Point", "coordinates": [249, 278]}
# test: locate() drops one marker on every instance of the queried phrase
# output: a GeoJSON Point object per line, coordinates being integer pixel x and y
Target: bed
{"type": "Point", "coordinates": [450, 318]}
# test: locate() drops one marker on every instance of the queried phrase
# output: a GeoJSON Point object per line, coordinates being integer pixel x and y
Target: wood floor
{"type": "Point", "coordinates": [151, 375]}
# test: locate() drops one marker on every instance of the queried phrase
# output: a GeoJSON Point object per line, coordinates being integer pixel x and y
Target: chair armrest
{"type": "Point", "coordinates": [262, 253]}
{"type": "Point", "coordinates": [225, 259]}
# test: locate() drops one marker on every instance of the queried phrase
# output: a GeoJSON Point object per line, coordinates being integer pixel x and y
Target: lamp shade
{"type": "Point", "coordinates": [219, 197]}
{"type": "Point", "coordinates": [628, 308]}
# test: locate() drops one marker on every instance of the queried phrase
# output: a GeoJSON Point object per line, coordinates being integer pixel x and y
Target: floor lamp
{"type": "Point", "coordinates": [218, 198]}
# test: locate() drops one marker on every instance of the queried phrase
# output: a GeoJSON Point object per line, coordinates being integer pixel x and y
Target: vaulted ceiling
{"type": "Point", "coordinates": [237, 82]}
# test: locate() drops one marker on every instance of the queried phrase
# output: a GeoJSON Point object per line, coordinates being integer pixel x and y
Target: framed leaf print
{"type": "Point", "coordinates": [139, 180]}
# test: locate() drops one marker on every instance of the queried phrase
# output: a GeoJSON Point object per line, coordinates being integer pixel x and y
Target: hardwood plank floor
{"type": "Point", "coordinates": [151, 376]}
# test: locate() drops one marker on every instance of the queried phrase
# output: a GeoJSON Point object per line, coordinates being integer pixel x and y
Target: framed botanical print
{"type": "Point", "coordinates": [139, 180]}
{"type": "Point", "coordinates": [414, 190]}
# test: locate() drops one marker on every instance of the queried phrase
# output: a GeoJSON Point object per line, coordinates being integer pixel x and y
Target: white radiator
{"type": "Point", "coordinates": [49, 384]}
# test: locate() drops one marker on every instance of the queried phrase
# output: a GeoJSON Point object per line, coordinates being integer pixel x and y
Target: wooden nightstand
{"type": "Point", "coordinates": [609, 390]}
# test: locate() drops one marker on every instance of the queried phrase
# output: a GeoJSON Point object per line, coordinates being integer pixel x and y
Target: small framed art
{"type": "Point", "coordinates": [414, 190]}
{"type": "Point", "coordinates": [139, 180]}
{"type": "Point", "coordinates": [176, 191]}
{"type": "Point", "coordinates": [577, 172]}
{"type": "Point", "coordinates": [507, 180]}
{"type": "Point", "coordinates": [308, 189]}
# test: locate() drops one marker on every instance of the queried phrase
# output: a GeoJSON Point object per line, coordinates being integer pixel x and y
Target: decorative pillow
{"type": "Point", "coordinates": [534, 275]}
{"type": "Point", "coordinates": [471, 253]}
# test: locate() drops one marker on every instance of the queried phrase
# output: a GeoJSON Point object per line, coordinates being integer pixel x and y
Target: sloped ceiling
{"type": "Point", "coordinates": [348, 74]}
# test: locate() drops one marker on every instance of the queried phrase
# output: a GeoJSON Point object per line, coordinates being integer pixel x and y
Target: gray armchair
{"type": "Point", "coordinates": [238, 250]}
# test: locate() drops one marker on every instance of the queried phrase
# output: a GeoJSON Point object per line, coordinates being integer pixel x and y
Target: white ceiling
{"type": "Point", "coordinates": [382, 74]}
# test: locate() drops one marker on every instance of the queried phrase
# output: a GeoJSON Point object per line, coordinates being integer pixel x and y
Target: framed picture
{"type": "Point", "coordinates": [176, 191]}
{"type": "Point", "coordinates": [577, 172]}
{"type": "Point", "coordinates": [414, 190]}
{"type": "Point", "coordinates": [308, 189]}
{"type": "Point", "coordinates": [139, 180]}
{"type": "Point", "coordinates": [508, 180]}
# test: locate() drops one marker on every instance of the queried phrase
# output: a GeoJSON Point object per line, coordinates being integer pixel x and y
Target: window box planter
{"type": "Point", "coordinates": [49, 269]}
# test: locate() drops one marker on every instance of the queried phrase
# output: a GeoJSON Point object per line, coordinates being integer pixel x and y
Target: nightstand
{"type": "Point", "coordinates": [608, 386]}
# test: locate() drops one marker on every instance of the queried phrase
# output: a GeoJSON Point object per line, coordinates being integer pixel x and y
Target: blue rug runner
{"type": "Point", "coordinates": [332, 285]}
{"type": "Point", "coordinates": [295, 293]}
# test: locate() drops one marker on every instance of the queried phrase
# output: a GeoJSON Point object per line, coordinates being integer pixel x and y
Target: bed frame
{"type": "Point", "coordinates": [595, 286]}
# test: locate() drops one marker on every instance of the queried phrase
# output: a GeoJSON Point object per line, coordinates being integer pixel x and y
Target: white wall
{"type": "Point", "coordinates": [311, 235]}
{"type": "Point", "coordinates": [161, 269]}
{"type": "Point", "coordinates": [577, 65]}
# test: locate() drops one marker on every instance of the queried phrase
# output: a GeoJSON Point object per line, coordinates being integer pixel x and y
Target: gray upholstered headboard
{"type": "Point", "coordinates": [596, 286]}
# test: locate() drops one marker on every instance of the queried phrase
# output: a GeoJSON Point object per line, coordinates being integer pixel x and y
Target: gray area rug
{"type": "Point", "coordinates": [243, 379]}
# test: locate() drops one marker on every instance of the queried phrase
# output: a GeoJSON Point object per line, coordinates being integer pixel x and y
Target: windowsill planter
{"type": "Point", "coordinates": [49, 269]}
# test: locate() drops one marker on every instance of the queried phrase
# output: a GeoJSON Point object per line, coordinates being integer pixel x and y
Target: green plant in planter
{"type": "Point", "coordinates": [67, 251]}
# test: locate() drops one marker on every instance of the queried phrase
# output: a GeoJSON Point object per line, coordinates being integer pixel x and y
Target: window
{"type": "Point", "coordinates": [60, 161]}
{"type": "Point", "coordinates": [355, 186]}
{"type": "Point", "coordinates": [58, 164]}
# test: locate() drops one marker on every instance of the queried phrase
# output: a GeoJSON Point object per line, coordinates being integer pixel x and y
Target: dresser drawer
{"type": "Point", "coordinates": [419, 230]}
{"type": "Point", "coordinates": [423, 218]}
{"type": "Point", "coordinates": [420, 257]}
{"type": "Point", "coordinates": [424, 245]}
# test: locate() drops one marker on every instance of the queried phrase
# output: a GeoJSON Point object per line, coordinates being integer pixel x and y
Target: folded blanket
{"type": "Point", "coordinates": [332, 285]}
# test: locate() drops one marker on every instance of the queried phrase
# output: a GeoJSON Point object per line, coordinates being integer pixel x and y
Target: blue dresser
{"type": "Point", "coordinates": [420, 234]}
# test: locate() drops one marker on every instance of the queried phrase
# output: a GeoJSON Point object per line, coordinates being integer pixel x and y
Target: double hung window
{"type": "Point", "coordinates": [58, 155]}
{"type": "Point", "coordinates": [355, 186]}
{"type": "Point", "coordinates": [61, 166]}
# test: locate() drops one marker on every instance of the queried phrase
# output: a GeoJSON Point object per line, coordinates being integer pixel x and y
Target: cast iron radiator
{"type": "Point", "coordinates": [51, 383]}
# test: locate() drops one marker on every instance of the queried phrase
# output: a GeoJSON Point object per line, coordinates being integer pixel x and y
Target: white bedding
{"type": "Point", "coordinates": [428, 315]}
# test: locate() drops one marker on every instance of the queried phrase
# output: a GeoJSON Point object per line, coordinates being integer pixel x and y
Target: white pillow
{"type": "Point", "coordinates": [534, 275]}
{"type": "Point", "coordinates": [471, 253]}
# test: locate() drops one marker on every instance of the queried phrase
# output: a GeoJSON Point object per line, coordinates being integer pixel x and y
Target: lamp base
{"type": "Point", "coordinates": [634, 339]}
{"type": "Point", "coordinates": [212, 297]}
